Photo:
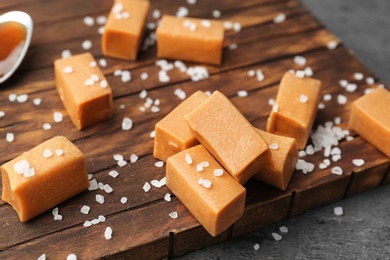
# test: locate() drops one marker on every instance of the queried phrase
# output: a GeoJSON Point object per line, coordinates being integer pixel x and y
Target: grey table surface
{"type": "Point", "coordinates": [363, 232]}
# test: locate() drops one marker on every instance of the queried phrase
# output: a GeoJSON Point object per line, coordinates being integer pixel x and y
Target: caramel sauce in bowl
{"type": "Point", "coordinates": [15, 36]}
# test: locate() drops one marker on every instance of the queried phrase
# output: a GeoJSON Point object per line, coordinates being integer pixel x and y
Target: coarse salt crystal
{"type": "Point", "coordinates": [101, 19]}
{"type": "Point", "coordinates": [29, 173]}
{"type": "Point", "coordinates": [22, 98]}
{"type": "Point", "coordinates": [181, 94]}
{"type": "Point", "coordinates": [42, 257]}
{"type": "Point", "coordinates": [126, 76]}
{"type": "Point", "coordinates": [342, 100]}
{"type": "Point", "coordinates": [92, 64]}
{"type": "Point", "coordinates": [113, 174]}
{"type": "Point", "coordinates": [156, 14]}
{"type": "Point", "coordinates": [338, 211]}
{"type": "Point", "coordinates": [46, 126]}
{"type": "Point", "coordinates": [103, 62]}
{"type": "Point", "coordinates": [256, 247]}
{"type": "Point", "coordinates": [322, 166]}
{"type": "Point", "coordinates": [173, 214]}
{"type": "Point", "coordinates": [206, 23]}
{"type": "Point", "coordinates": [133, 158]}
{"type": "Point", "coordinates": [95, 221]}
{"type": "Point", "coordinates": [216, 13]}
{"type": "Point", "coordinates": [309, 149]}
{"type": "Point", "coordinates": [68, 70]}
{"type": "Point", "coordinates": [358, 76]}
{"type": "Point", "coordinates": [205, 164]}
{"type": "Point", "coordinates": [107, 188]}
{"type": "Point", "coordinates": [155, 109]}
{"type": "Point", "coordinates": [303, 99]}
{"type": "Point", "coordinates": [228, 25]}
{"type": "Point", "coordinates": [218, 172]}
{"type": "Point", "coordinates": [108, 233]}
{"type": "Point", "coordinates": [86, 45]}
{"type": "Point", "coordinates": [331, 45]}
{"type": "Point", "coordinates": [276, 236]}
{"type": "Point", "coordinates": [337, 170]}
{"type": "Point", "coordinates": [152, 134]}
{"type": "Point", "coordinates": [71, 257]}
{"type": "Point", "coordinates": [99, 198]}
{"type": "Point", "coordinates": [167, 197]}
{"type": "Point", "coordinates": [191, 2]}
{"type": "Point", "coordinates": [93, 185]}
{"type": "Point", "coordinates": [21, 166]}
{"type": "Point", "coordinates": [321, 106]}
{"type": "Point", "coordinates": [336, 157]}
{"type": "Point", "coordinates": [283, 229]}
{"type": "Point", "coordinates": [146, 187]}
{"type": "Point", "coordinates": [87, 223]}
{"type": "Point", "coordinates": [143, 94]}
{"type": "Point", "coordinates": [351, 87]}
{"type": "Point", "coordinates": [199, 167]}
{"type": "Point", "coordinates": [182, 12]}
{"type": "Point", "coordinates": [121, 163]}
{"type": "Point", "coordinates": [301, 153]}
{"type": "Point", "coordinates": [12, 97]}
{"type": "Point", "coordinates": [327, 97]}
{"type": "Point", "coordinates": [117, 8]}
{"type": "Point", "coordinates": [2, 114]}
{"type": "Point", "coordinates": [370, 80]}
{"type": "Point", "coordinates": [206, 183]}
{"type": "Point", "coordinates": [127, 123]}
{"type": "Point", "coordinates": [242, 93]}
{"type": "Point", "coordinates": [159, 164]}
{"type": "Point", "coordinates": [10, 137]}
{"type": "Point", "coordinates": [358, 162]}
{"type": "Point", "coordinates": [144, 76]}
{"type": "Point", "coordinates": [163, 76]}
{"type": "Point", "coordinates": [233, 46]}
{"type": "Point", "coordinates": [118, 157]}
{"type": "Point", "coordinates": [123, 200]}
{"type": "Point", "coordinates": [85, 209]}
{"type": "Point", "coordinates": [343, 83]}
{"type": "Point", "coordinates": [89, 82]}
{"type": "Point", "coordinates": [66, 54]}
{"type": "Point", "coordinates": [117, 73]}
{"type": "Point", "coordinates": [275, 108]}
{"type": "Point", "coordinates": [47, 153]}
{"type": "Point", "coordinates": [271, 101]}
{"type": "Point", "coordinates": [101, 30]}
{"type": "Point", "coordinates": [103, 84]}
{"type": "Point", "coordinates": [300, 74]}
{"type": "Point", "coordinates": [101, 218]}
{"type": "Point", "coordinates": [59, 152]}
{"type": "Point", "coordinates": [300, 60]}
{"type": "Point", "coordinates": [236, 27]}
{"type": "Point", "coordinates": [37, 101]}
{"type": "Point", "coordinates": [188, 158]}
{"type": "Point", "coordinates": [274, 146]}
{"type": "Point", "coordinates": [88, 21]}
{"type": "Point", "coordinates": [251, 73]}
{"type": "Point", "coordinates": [308, 72]}
{"type": "Point", "coordinates": [279, 18]}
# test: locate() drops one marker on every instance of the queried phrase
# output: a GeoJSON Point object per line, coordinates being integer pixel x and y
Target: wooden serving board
{"type": "Point", "coordinates": [142, 227]}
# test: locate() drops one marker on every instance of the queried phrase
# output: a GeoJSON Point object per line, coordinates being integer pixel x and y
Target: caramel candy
{"type": "Point", "coordinates": [83, 90]}
{"type": "Point", "coordinates": [279, 168]}
{"type": "Point", "coordinates": [229, 137]}
{"type": "Point", "coordinates": [172, 132]}
{"type": "Point", "coordinates": [190, 39]}
{"type": "Point", "coordinates": [295, 109]}
{"type": "Point", "coordinates": [124, 28]}
{"type": "Point", "coordinates": [370, 119]}
{"type": "Point", "coordinates": [43, 177]}
{"type": "Point", "coordinates": [214, 198]}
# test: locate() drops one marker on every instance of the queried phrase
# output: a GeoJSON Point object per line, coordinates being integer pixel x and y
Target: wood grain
{"type": "Point", "coordinates": [142, 226]}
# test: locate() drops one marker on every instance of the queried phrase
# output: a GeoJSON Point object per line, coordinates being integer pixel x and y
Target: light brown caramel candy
{"type": "Point", "coordinates": [279, 168]}
{"type": "Point", "coordinates": [229, 137]}
{"type": "Point", "coordinates": [215, 200]}
{"type": "Point", "coordinates": [39, 179]}
{"type": "Point", "coordinates": [172, 132]}
{"type": "Point", "coordinates": [83, 90]}
{"type": "Point", "coordinates": [124, 29]}
{"type": "Point", "coordinates": [190, 39]}
{"type": "Point", "coordinates": [295, 108]}
{"type": "Point", "coordinates": [370, 119]}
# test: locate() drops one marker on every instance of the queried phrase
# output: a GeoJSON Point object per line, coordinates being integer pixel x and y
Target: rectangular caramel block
{"type": "Point", "coordinates": [43, 177]}
{"type": "Point", "coordinates": [370, 119]}
{"type": "Point", "coordinates": [172, 132]}
{"type": "Point", "coordinates": [190, 39]}
{"type": "Point", "coordinates": [295, 108]}
{"type": "Point", "coordinates": [228, 136]}
{"type": "Point", "coordinates": [284, 156]}
{"type": "Point", "coordinates": [214, 198]}
{"type": "Point", "coordinates": [83, 90]}
{"type": "Point", "coordinates": [124, 28]}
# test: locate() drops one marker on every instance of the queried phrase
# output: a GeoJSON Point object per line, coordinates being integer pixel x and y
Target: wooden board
{"type": "Point", "coordinates": [142, 228]}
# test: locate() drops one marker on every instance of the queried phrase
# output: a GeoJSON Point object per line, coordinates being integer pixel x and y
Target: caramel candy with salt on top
{"type": "Point", "coordinates": [295, 108]}
{"type": "Point", "coordinates": [215, 201]}
{"type": "Point", "coordinates": [35, 182]}
{"type": "Point", "coordinates": [279, 168]}
{"type": "Point", "coordinates": [370, 119]}
{"type": "Point", "coordinates": [190, 39]}
{"type": "Point", "coordinates": [83, 90]}
{"type": "Point", "coordinates": [229, 137]}
{"type": "Point", "coordinates": [124, 29]}
{"type": "Point", "coordinates": [172, 132]}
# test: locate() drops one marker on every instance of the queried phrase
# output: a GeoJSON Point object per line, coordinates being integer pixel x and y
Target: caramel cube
{"type": "Point", "coordinates": [213, 197]}
{"type": "Point", "coordinates": [124, 29]}
{"type": "Point", "coordinates": [172, 132]}
{"type": "Point", "coordinates": [279, 168]}
{"type": "Point", "coordinates": [228, 136]}
{"type": "Point", "coordinates": [83, 90]}
{"type": "Point", "coordinates": [295, 109]}
{"type": "Point", "coordinates": [43, 177]}
{"type": "Point", "coordinates": [190, 39]}
{"type": "Point", "coordinates": [370, 119]}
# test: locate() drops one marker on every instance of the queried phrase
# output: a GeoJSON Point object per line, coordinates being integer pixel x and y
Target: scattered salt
{"type": "Point", "coordinates": [228, 25]}
{"type": "Point", "coordinates": [275, 108]}
{"type": "Point", "coordinates": [86, 45]}
{"type": "Point", "coordinates": [276, 236]}
{"type": "Point", "coordinates": [85, 209]}
{"type": "Point", "coordinates": [88, 21]}
{"type": "Point", "coordinates": [283, 229]}
{"type": "Point", "coordinates": [103, 62]}
{"type": "Point", "coordinates": [58, 117]}
{"type": "Point", "coordinates": [358, 76]}
{"type": "Point", "coordinates": [351, 87]}
{"type": "Point", "coordinates": [42, 257]}
{"type": "Point", "coordinates": [300, 60]}
{"type": "Point", "coordinates": [66, 54]}
{"type": "Point", "coordinates": [155, 183]}
{"type": "Point", "coordinates": [101, 218]}
{"type": "Point", "coordinates": [309, 149]}
{"type": "Point", "coordinates": [331, 45]}
{"type": "Point", "coordinates": [274, 146]}
{"type": "Point", "coordinates": [59, 152]}
{"type": "Point", "coordinates": [188, 158]}
{"type": "Point", "coordinates": [92, 64]}
{"type": "Point", "coordinates": [173, 214]}
{"type": "Point", "coordinates": [300, 74]}
{"type": "Point", "coordinates": [181, 94]}
{"type": "Point", "coordinates": [216, 13]}
{"type": "Point", "coordinates": [144, 76]}
{"type": "Point", "coordinates": [2, 114]}
{"type": "Point", "coordinates": [108, 233]}
{"type": "Point", "coordinates": [87, 223]}
{"type": "Point", "coordinates": [159, 164]}
{"type": "Point", "coordinates": [370, 80]}
{"type": "Point", "coordinates": [167, 197]}
{"type": "Point", "coordinates": [113, 174]}
{"type": "Point", "coordinates": [256, 247]}
{"type": "Point", "coordinates": [341, 99]}
{"type": "Point", "coordinates": [152, 134]}
{"type": "Point", "coordinates": [93, 185]}
{"type": "Point", "coordinates": [308, 72]}
{"type": "Point", "coordinates": [327, 97]}
{"type": "Point", "coordinates": [101, 19]}
{"type": "Point", "coordinates": [335, 150]}
{"type": "Point", "coordinates": [233, 46]}
{"type": "Point", "coordinates": [127, 123]}
{"type": "Point", "coordinates": [133, 158]}
{"type": "Point", "coordinates": [123, 200]}
{"type": "Point", "coordinates": [206, 23]}
{"type": "Point", "coordinates": [271, 101]}
{"type": "Point", "coordinates": [336, 157]}
{"type": "Point", "coordinates": [163, 76]}
{"type": "Point", "coordinates": [301, 153]}
{"type": "Point", "coordinates": [10, 137]}
{"type": "Point", "coordinates": [242, 93]}
{"type": "Point", "coordinates": [68, 70]}
{"type": "Point", "coordinates": [338, 211]}
{"type": "Point", "coordinates": [103, 84]}
{"type": "Point", "coordinates": [321, 106]}
{"type": "Point", "coordinates": [236, 27]}
{"type": "Point", "coordinates": [121, 163]}
{"type": "Point", "coordinates": [155, 109]}
{"type": "Point", "coordinates": [182, 12]}
{"type": "Point", "coordinates": [107, 188]}
{"type": "Point", "coordinates": [199, 167]}
{"type": "Point", "coordinates": [125, 76]}
{"type": "Point", "coordinates": [280, 18]}
{"type": "Point", "coordinates": [21, 166]}
{"type": "Point", "coordinates": [46, 126]}
{"type": "Point", "coordinates": [358, 162]}
{"type": "Point", "coordinates": [343, 83]}
{"type": "Point", "coordinates": [251, 73]}
{"type": "Point", "coordinates": [118, 157]}
{"type": "Point", "coordinates": [22, 98]}
{"type": "Point", "coordinates": [156, 14]}
{"type": "Point", "coordinates": [306, 167]}
{"type": "Point", "coordinates": [337, 170]}
{"type": "Point", "coordinates": [303, 99]}
{"type": "Point", "coordinates": [47, 153]}
{"type": "Point", "coordinates": [99, 198]}
{"type": "Point", "coordinates": [218, 172]}
{"type": "Point", "coordinates": [206, 183]}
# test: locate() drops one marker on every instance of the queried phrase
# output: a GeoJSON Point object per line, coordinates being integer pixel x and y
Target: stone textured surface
{"type": "Point", "coordinates": [363, 232]}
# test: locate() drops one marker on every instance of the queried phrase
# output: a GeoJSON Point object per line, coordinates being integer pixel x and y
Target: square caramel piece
{"type": "Point", "coordinates": [370, 119]}
{"type": "Point", "coordinates": [83, 89]}
{"type": "Point", "coordinates": [43, 177]}
{"type": "Point", "coordinates": [213, 197]}
{"type": "Point", "coordinates": [124, 29]}
{"type": "Point", "coordinates": [295, 108]}
{"type": "Point", "coordinates": [190, 39]}
{"type": "Point", "coordinates": [229, 137]}
{"type": "Point", "coordinates": [279, 168]}
{"type": "Point", "coordinates": [172, 132]}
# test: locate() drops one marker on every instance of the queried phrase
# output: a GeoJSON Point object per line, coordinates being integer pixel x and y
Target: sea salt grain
{"type": "Point", "coordinates": [242, 93]}
{"type": "Point", "coordinates": [300, 60]}
{"type": "Point", "coordinates": [66, 54]}
{"type": "Point", "coordinates": [173, 214]}
{"type": "Point", "coordinates": [58, 117]}
{"type": "Point", "coordinates": [93, 185]}
{"type": "Point", "coordinates": [108, 233]}
{"type": "Point", "coordinates": [159, 164]}
{"type": "Point", "coordinates": [283, 229]}
{"type": "Point", "coordinates": [123, 200]}
{"type": "Point", "coordinates": [125, 76]}
{"type": "Point", "coordinates": [206, 23]}
{"type": "Point", "coordinates": [188, 158]}
{"type": "Point", "coordinates": [216, 13]}
{"type": "Point", "coordinates": [256, 247]}
{"type": "Point", "coordinates": [259, 75]}
{"type": "Point", "coordinates": [87, 223]}
{"type": "Point", "coordinates": [331, 45]}
{"type": "Point", "coordinates": [236, 27]}
{"type": "Point", "coordinates": [338, 211]}
{"type": "Point", "coordinates": [37, 101]}
{"type": "Point", "coordinates": [42, 257]}
{"type": "Point", "coordinates": [146, 187]}
{"type": "Point", "coordinates": [343, 83]}
{"type": "Point", "coordinates": [10, 137]}
{"type": "Point", "coordinates": [113, 174]}
{"type": "Point", "coordinates": [327, 97]}
{"type": "Point", "coordinates": [133, 158]}
{"type": "Point", "coordinates": [103, 84]}
{"type": "Point", "coordinates": [167, 197]}
{"type": "Point", "coordinates": [341, 99]}
{"type": "Point", "coordinates": [218, 172]}
{"type": "Point", "coordinates": [107, 188]}
{"type": "Point", "coordinates": [163, 76]}
{"type": "Point", "coordinates": [118, 157]}
{"type": "Point", "coordinates": [22, 98]}
{"type": "Point", "coordinates": [337, 170]}
{"type": "Point", "coordinates": [86, 45]}
{"type": "Point", "coordinates": [71, 257]}
{"type": "Point", "coordinates": [280, 18]}
{"type": "Point", "coordinates": [85, 209]}
{"type": "Point", "coordinates": [144, 76]}
{"type": "Point", "coordinates": [182, 12]}
{"type": "Point", "coordinates": [180, 93]}
{"type": "Point", "coordinates": [101, 218]}
{"type": "Point", "coordinates": [102, 19]}
{"type": "Point", "coordinates": [47, 153]}
{"type": "Point", "coordinates": [274, 146]}
{"type": "Point", "coordinates": [92, 64]}
{"type": "Point", "coordinates": [156, 14]}
{"type": "Point", "coordinates": [2, 114]}
{"type": "Point", "coordinates": [99, 198]}
{"type": "Point", "coordinates": [233, 46]}
{"type": "Point", "coordinates": [199, 167]}
{"type": "Point", "coordinates": [228, 25]}
{"type": "Point", "coordinates": [276, 236]}
{"type": "Point", "coordinates": [88, 21]}
{"type": "Point", "coordinates": [152, 134]}
{"type": "Point", "coordinates": [358, 76]}
{"type": "Point", "coordinates": [351, 87]}
{"type": "Point", "coordinates": [206, 183]}
{"type": "Point", "coordinates": [308, 72]}
{"type": "Point", "coordinates": [121, 163]}
{"type": "Point", "coordinates": [370, 80]}
{"type": "Point", "coordinates": [103, 62]}
{"type": "Point", "coordinates": [127, 123]}
{"type": "Point", "coordinates": [303, 99]}
{"type": "Point", "coordinates": [358, 162]}
{"type": "Point", "coordinates": [68, 70]}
